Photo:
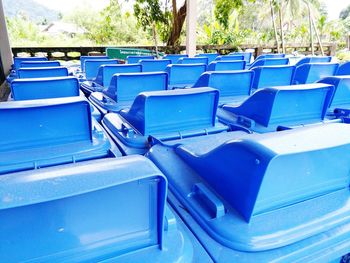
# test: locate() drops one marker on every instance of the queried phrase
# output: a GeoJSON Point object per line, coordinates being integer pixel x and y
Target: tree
{"type": "Point", "coordinates": [345, 13]}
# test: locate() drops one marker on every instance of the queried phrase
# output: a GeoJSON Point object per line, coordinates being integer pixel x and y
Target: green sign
{"type": "Point", "coordinates": [122, 53]}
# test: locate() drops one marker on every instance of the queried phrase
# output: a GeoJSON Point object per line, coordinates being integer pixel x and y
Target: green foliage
{"type": "Point", "coordinates": [223, 10]}
{"type": "Point", "coordinates": [345, 13]}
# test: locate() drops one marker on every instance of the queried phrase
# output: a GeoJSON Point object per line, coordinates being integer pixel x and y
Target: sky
{"type": "Point", "coordinates": [334, 6]}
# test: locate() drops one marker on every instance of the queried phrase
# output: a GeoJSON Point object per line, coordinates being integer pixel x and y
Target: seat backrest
{"type": "Point", "coordinates": [182, 75]}
{"type": "Point", "coordinates": [39, 64]}
{"type": "Point", "coordinates": [312, 72]}
{"type": "Point", "coordinates": [160, 112]}
{"type": "Point", "coordinates": [18, 60]}
{"type": "Point", "coordinates": [136, 59]}
{"type": "Point", "coordinates": [211, 56]}
{"type": "Point", "coordinates": [42, 72]}
{"type": "Point", "coordinates": [286, 105]}
{"type": "Point", "coordinates": [175, 57]}
{"type": "Point", "coordinates": [314, 59]}
{"type": "Point", "coordinates": [229, 83]}
{"type": "Point", "coordinates": [263, 56]}
{"type": "Point", "coordinates": [153, 65]}
{"type": "Point", "coordinates": [126, 86]}
{"type": "Point", "coordinates": [342, 90]}
{"type": "Point", "coordinates": [265, 172]}
{"type": "Point", "coordinates": [83, 58]}
{"type": "Point", "coordinates": [270, 76]}
{"type": "Point", "coordinates": [226, 65]}
{"type": "Point", "coordinates": [269, 62]}
{"type": "Point", "coordinates": [57, 211]}
{"type": "Point", "coordinates": [344, 69]}
{"type": "Point", "coordinates": [230, 57]}
{"type": "Point", "coordinates": [106, 72]}
{"type": "Point", "coordinates": [196, 60]}
{"type": "Point", "coordinates": [32, 89]}
{"type": "Point", "coordinates": [247, 55]}
{"type": "Point", "coordinates": [92, 66]}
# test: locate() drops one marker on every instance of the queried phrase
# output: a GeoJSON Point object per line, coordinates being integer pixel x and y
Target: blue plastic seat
{"type": "Point", "coordinates": [124, 89]}
{"type": "Point", "coordinates": [270, 76]}
{"type": "Point", "coordinates": [49, 132]}
{"type": "Point", "coordinates": [195, 60]}
{"type": "Point", "coordinates": [84, 58]}
{"type": "Point", "coordinates": [271, 109]}
{"type": "Point", "coordinates": [234, 86]}
{"type": "Point", "coordinates": [18, 60]}
{"type": "Point", "coordinates": [136, 59]}
{"type": "Point", "coordinates": [39, 64]}
{"type": "Point", "coordinates": [247, 56]}
{"type": "Point", "coordinates": [153, 65]}
{"type": "Point", "coordinates": [314, 59]}
{"type": "Point", "coordinates": [92, 66]}
{"type": "Point", "coordinates": [312, 72]}
{"type": "Point", "coordinates": [269, 62]}
{"type": "Point", "coordinates": [344, 69]}
{"type": "Point", "coordinates": [174, 57]}
{"type": "Point", "coordinates": [264, 56]}
{"type": "Point", "coordinates": [275, 197]}
{"type": "Point", "coordinates": [230, 57]}
{"type": "Point", "coordinates": [45, 72]}
{"type": "Point", "coordinates": [227, 65]}
{"type": "Point", "coordinates": [104, 76]}
{"type": "Point", "coordinates": [211, 56]}
{"type": "Point", "coordinates": [164, 115]}
{"type": "Point", "coordinates": [182, 76]}
{"type": "Point", "coordinates": [77, 212]}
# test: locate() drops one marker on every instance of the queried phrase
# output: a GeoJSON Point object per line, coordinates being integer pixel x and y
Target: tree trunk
{"type": "Point", "coordinates": [281, 28]}
{"type": "Point", "coordinates": [310, 26]}
{"type": "Point", "coordinates": [317, 35]}
{"type": "Point", "coordinates": [178, 21]}
{"type": "Point", "coordinates": [154, 30]}
{"type": "Point", "coordinates": [274, 27]}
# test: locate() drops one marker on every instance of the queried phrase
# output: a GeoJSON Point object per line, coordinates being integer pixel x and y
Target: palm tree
{"type": "Point", "coordinates": [272, 4]}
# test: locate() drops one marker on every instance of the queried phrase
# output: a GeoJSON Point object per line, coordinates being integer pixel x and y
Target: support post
{"type": "Point", "coordinates": [5, 50]}
{"type": "Point", "coordinates": [191, 25]}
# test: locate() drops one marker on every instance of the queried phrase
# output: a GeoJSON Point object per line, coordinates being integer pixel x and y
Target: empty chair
{"type": "Point", "coordinates": [234, 86]}
{"type": "Point", "coordinates": [227, 65]}
{"type": "Point", "coordinates": [84, 58]}
{"type": "Point", "coordinates": [92, 66]}
{"type": "Point", "coordinates": [153, 65]}
{"type": "Point", "coordinates": [247, 55]}
{"type": "Point", "coordinates": [230, 57]}
{"type": "Point", "coordinates": [104, 76]}
{"type": "Point", "coordinates": [39, 64]}
{"type": "Point", "coordinates": [174, 57]}
{"type": "Point", "coordinates": [312, 72]}
{"type": "Point", "coordinates": [18, 60]}
{"type": "Point", "coordinates": [196, 60]}
{"type": "Point", "coordinates": [45, 72]}
{"type": "Point", "coordinates": [125, 87]}
{"type": "Point", "coordinates": [263, 197]}
{"type": "Point", "coordinates": [264, 56]}
{"type": "Point", "coordinates": [181, 76]}
{"type": "Point", "coordinates": [269, 62]}
{"type": "Point", "coordinates": [344, 69]}
{"type": "Point", "coordinates": [211, 56]}
{"type": "Point", "coordinates": [276, 108]}
{"type": "Point", "coordinates": [136, 59]}
{"type": "Point", "coordinates": [314, 59]}
{"type": "Point", "coordinates": [270, 76]}
{"type": "Point", "coordinates": [164, 115]}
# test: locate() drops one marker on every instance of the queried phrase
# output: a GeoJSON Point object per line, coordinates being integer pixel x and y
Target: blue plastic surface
{"type": "Point", "coordinates": [165, 115]}
{"type": "Point", "coordinates": [226, 65]}
{"type": "Point", "coordinates": [153, 65]}
{"type": "Point", "coordinates": [125, 87]}
{"type": "Point", "coordinates": [312, 72]}
{"type": "Point", "coordinates": [230, 57]}
{"type": "Point", "coordinates": [174, 57]}
{"type": "Point", "coordinates": [45, 72]}
{"type": "Point", "coordinates": [269, 62]}
{"type": "Point", "coordinates": [39, 64]}
{"type": "Point", "coordinates": [286, 106]}
{"type": "Point", "coordinates": [247, 55]}
{"type": "Point", "coordinates": [48, 132]}
{"type": "Point", "coordinates": [136, 59]}
{"type": "Point", "coordinates": [44, 88]}
{"type": "Point", "coordinates": [92, 66]}
{"type": "Point", "coordinates": [276, 197]}
{"type": "Point", "coordinates": [195, 60]}
{"type": "Point", "coordinates": [211, 56]}
{"type": "Point", "coordinates": [264, 56]}
{"type": "Point", "coordinates": [344, 69]}
{"type": "Point", "coordinates": [181, 76]}
{"type": "Point", "coordinates": [314, 59]}
{"type": "Point", "coordinates": [270, 76]}
{"type": "Point", "coordinates": [83, 58]}
{"type": "Point", "coordinates": [18, 60]}
{"type": "Point", "coordinates": [77, 213]}
{"type": "Point", "coordinates": [234, 86]}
